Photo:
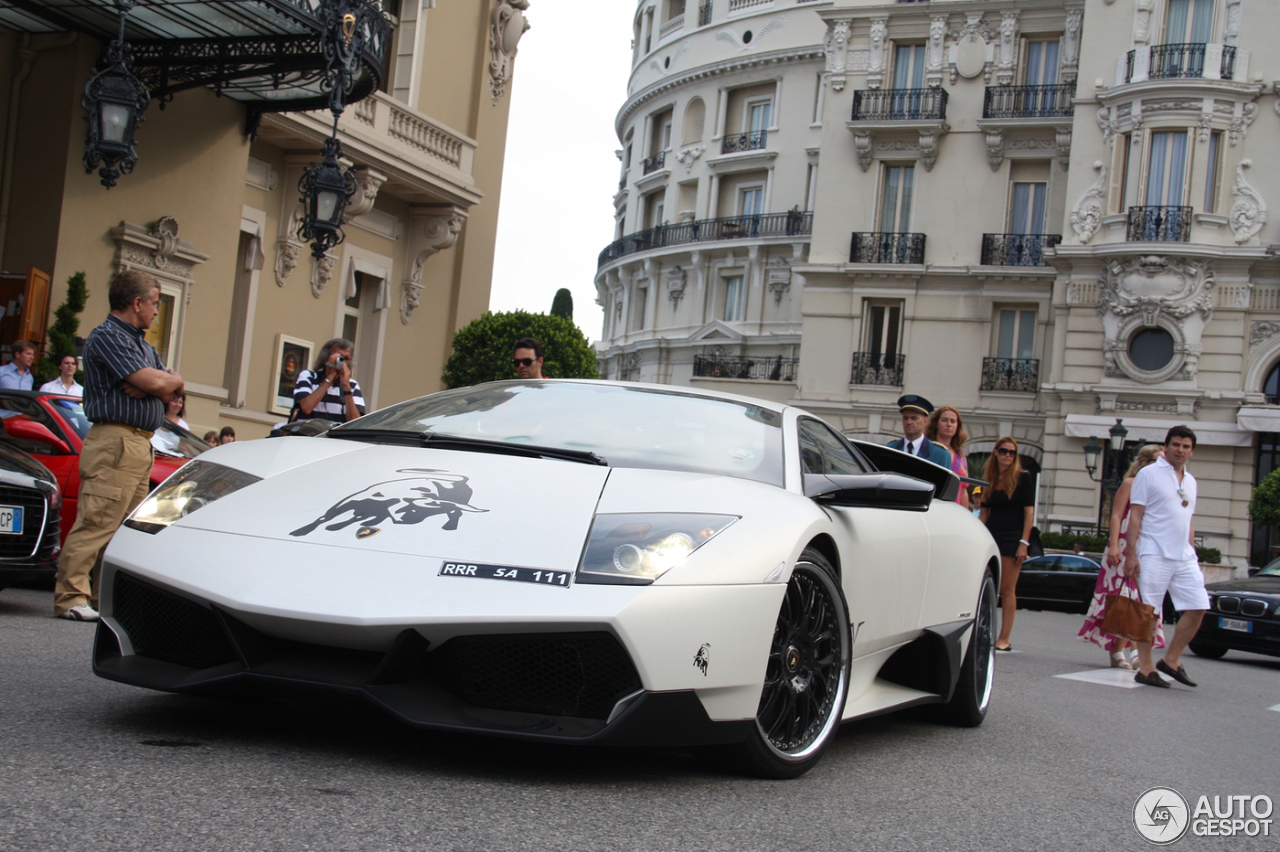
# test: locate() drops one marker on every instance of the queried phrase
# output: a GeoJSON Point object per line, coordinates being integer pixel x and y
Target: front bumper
{"type": "Point", "coordinates": [1263, 636]}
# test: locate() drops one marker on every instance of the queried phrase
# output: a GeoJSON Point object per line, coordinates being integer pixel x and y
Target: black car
{"type": "Point", "coordinates": [1062, 581]}
{"type": "Point", "coordinates": [29, 519]}
{"type": "Point", "coordinates": [1243, 615]}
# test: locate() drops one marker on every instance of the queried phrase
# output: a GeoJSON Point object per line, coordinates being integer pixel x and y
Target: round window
{"type": "Point", "coordinates": [1151, 349]}
{"type": "Point", "coordinates": [746, 37]}
{"type": "Point", "coordinates": [666, 63]}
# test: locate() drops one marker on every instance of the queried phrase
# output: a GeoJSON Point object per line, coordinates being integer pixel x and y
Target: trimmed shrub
{"type": "Point", "coordinates": [482, 349]}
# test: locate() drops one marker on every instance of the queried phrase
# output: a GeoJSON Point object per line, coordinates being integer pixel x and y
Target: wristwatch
{"type": "Point", "coordinates": [346, 393]}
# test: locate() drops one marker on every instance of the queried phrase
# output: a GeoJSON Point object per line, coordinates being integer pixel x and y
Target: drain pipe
{"type": "Point", "coordinates": [27, 57]}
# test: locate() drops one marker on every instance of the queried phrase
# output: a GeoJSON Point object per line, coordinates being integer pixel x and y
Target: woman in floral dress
{"type": "Point", "coordinates": [1111, 578]}
{"type": "Point", "coordinates": [946, 429]}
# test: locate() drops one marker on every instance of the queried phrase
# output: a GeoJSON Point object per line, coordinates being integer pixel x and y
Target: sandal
{"type": "Point", "coordinates": [1120, 661]}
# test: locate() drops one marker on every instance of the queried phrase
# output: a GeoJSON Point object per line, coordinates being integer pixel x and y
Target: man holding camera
{"type": "Point", "coordinates": [328, 392]}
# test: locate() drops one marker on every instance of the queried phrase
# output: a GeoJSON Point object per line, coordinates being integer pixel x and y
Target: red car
{"type": "Point", "coordinates": [52, 427]}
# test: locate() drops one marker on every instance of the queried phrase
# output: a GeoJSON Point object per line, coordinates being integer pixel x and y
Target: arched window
{"type": "Point", "coordinates": [1271, 386]}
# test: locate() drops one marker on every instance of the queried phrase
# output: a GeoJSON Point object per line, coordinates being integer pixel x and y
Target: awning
{"type": "Point", "coordinates": [1152, 431]}
{"type": "Point", "coordinates": [1259, 418]}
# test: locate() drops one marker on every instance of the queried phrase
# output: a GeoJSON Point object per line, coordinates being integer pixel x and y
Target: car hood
{"type": "Point", "coordinates": [370, 498]}
{"type": "Point", "coordinates": [20, 468]}
{"type": "Point", "coordinates": [1250, 586]}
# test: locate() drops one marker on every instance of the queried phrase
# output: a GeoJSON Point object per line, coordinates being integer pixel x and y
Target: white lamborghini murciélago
{"type": "Point", "coordinates": [580, 562]}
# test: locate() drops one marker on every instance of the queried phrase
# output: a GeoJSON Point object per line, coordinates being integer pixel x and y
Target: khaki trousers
{"type": "Point", "coordinates": [115, 476]}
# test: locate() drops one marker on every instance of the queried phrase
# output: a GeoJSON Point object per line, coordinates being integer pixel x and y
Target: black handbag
{"type": "Point", "coordinates": [1034, 546]}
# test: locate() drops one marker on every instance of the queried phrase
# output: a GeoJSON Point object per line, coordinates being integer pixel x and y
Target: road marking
{"type": "Point", "coordinates": [1107, 677]}
{"type": "Point", "coordinates": [1275, 707]}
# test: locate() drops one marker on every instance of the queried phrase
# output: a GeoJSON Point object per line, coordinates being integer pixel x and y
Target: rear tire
{"type": "Point", "coordinates": [968, 705]}
{"type": "Point", "coordinates": [806, 678]}
{"type": "Point", "coordinates": [1209, 652]}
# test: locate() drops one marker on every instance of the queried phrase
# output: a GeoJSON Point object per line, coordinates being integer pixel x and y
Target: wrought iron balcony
{"type": "Point", "coordinates": [1159, 224]}
{"type": "Point", "coordinates": [885, 247]}
{"type": "Point", "coordinates": [622, 181]}
{"type": "Point", "coordinates": [1029, 101]}
{"type": "Point", "coordinates": [752, 141]}
{"type": "Point", "coordinates": [900, 104]}
{"type": "Point", "coordinates": [1019, 375]}
{"type": "Point", "coordinates": [776, 369]}
{"type": "Point", "coordinates": [875, 368]}
{"type": "Point", "coordinates": [793, 223]}
{"type": "Point", "coordinates": [1017, 249]}
{"type": "Point", "coordinates": [1180, 60]}
{"type": "Point", "coordinates": [657, 161]}
{"type": "Point", "coordinates": [704, 14]}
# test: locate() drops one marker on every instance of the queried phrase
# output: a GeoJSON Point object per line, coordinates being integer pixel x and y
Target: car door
{"type": "Point", "coordinates": [884, 552]}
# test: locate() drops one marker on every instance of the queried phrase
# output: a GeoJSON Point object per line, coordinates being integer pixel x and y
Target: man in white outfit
{"type": "Point", "coordinates": [1162, 552]}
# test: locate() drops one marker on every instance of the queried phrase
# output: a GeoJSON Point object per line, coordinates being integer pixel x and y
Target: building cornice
{"type": "Point", "coordinates": [922, 10]}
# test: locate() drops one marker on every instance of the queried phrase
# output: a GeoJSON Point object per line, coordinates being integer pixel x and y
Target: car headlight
{"type": "Point", "coordinates": [197, 484]}
{"type": "Point", "coordinates": [637, 549]}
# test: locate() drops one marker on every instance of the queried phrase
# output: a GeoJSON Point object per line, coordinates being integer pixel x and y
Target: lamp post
{"type": "Point", "coordinates": [1116, 462]}
{"type": "Point", "coordinates": [115, 101]}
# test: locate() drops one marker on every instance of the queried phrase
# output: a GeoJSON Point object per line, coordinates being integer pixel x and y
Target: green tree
{"type": "Point", "coordinates": [482, 349]}
{"type": "Point", "coordinates": [1264, 506]}
{"type": "Point", "coordinates": [562, 304]}
{"type": "Point", "coordinates": [62, 334]}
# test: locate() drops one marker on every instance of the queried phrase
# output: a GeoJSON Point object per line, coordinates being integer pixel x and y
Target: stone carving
{"type": "Point", "coordinates": [1142, 405]}
{"type": "Point", "coordinates": [836, 46]}
{"type": "Point", "coordinates": [1062, 141]}
{"type": "Point", "coordinates": [1142, 21]}
{"type": "Point", "coordinates": [431, 230]}
{"type": "Point", "coordinates": [322, 274]}
{"type": "Point", "coordinates": [157, 249]}
{"type": "Point", "coordinates": [969, 53]}
{"type": "Point", "coordinates": [778, 277]}
{"type": "Point", "coordinates": [368, 182]}
{"type": "Point", "coordinates": [1086, 216]}
{"type": "Point", "coordinates": [1240, 124]}
{"type": "Point", "coordinates": [688, 155]}
{"type": "Point", "coordinates": [1202, 126]}
{"type": "Point", "coordinates": [862, 145]}
{"type": "Point", "coordinates": [1008, 47]}
{"type": "Point", "coordinates": [929, 147]}
{"type": "Point", "coordinates": [875, 68]}
{"type": "Point", "coordinates": [1261, 332]}
{"type": "Point", "coordinates": [676, 280]}
{"type": "Point", "coordinates": [1108, 124]}
{"type": "Point", "coordinates": [1248, 210]}
{"type": "Point", "coordinates": [1231, 30]}
{"type": "Point", "coordinates": [287, 253]}
{"type": "Point", "coordinates": [937, 37]}
{"type": "Point", "coordinates": [1150, 291]}
{"type": "Point", "coordinates": [1171, 106]}
{"type": "Point", "coordinates": [995, 147]}
{"type": "Point", "coordinates": [1071, 45]}
{"type": "Point", "coordinates": [506, 25]}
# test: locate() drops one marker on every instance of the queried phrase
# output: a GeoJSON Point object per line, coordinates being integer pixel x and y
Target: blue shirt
{"type": "Point", "coordinates": [113, 351]}
{"type": "Point", "coordinates": [11, 378]}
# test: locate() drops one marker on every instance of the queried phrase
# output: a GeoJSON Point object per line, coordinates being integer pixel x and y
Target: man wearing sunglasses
{"type": "Point", "coordinates": [528, 358]}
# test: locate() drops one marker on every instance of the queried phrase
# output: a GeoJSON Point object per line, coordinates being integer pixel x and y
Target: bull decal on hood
{"type": "Point", "coordinates": [410, 500]}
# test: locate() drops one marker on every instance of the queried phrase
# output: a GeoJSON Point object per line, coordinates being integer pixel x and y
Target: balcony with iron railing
{"type": "Point", "coordinates": [928, 104]}
{"type": "Point", "coordinates": [704, 14]}
{"type": "Point", "coordinates": [753, 141]}
{"type": "Point", "coordinates": [652, 164]}
{"type": "Point", "coordinates": [876, 368]}
{"type": "Point", "coordinates": [1017, 375]}
{"type": "Point", "coordinates": [886, 247]}
{"type": "Point", "coordinates": [1017, 249]}
{"type": "Point", "coordinates": [1029, 101]}
{"type": "Point", "coordinates": [776, 369]}
{"type": "Point", "coordinates": [1157, 223]}
{"type": "Point", "coordinates": [793, 223]}
{"type": "Point", "coordinates": [1180, 61]}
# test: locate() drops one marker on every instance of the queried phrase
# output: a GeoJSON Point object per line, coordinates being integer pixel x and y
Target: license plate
{"type": "Point", "coordinates": [11, 520]}
{"type": "Point", "coordinates": [1235, 624]}
{"type": "Point", "coordinates": [511, 574]}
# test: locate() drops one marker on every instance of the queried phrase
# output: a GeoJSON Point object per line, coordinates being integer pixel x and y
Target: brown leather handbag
{"type": "Point", "coordinates": [1128, 616]}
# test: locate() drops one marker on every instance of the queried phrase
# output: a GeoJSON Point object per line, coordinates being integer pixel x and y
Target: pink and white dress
{"type": "Point", "coordinates": [1110, 580]}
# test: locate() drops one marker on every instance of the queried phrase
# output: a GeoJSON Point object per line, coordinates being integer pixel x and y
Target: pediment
{"type": "Point", "coordinates": [717, 330]}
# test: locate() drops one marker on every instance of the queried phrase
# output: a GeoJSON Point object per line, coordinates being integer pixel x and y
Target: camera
{"type": "Point", "coordinates": [338, 362]}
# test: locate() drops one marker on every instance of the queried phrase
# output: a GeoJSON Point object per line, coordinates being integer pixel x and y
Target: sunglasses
{"type": "Point", "coordinates": [1005, 451]}
{"type": "Point", "coordinates": [1183, 495]}
{"type": "Point", "coordinates": [523, 362]}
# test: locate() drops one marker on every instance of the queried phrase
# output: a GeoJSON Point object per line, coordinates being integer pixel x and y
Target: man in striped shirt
{"type": "Point", "coordinates": [328, 392]}
{"type": "Point", "coordinates": [126, 387]}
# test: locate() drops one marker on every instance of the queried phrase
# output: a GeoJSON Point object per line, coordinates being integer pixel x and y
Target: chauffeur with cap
{"type": "Point", "coordinates": [915, 416]}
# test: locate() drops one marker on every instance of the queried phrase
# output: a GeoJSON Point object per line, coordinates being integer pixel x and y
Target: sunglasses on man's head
{"type": "Point", "coordinates": [523, 362]}
{"type": "Point", "coordinates": [1005, 451]}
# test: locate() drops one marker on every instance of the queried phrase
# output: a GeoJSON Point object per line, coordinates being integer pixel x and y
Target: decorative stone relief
{"type": "Point", "coordinates": [1240, 124]}
{"type": "Point", "coordinates": [1008, 47]}
{"type": "Point", "coordinates": [1231, 30]}
{"type": "Point", "coordinates": [876, 65]}
{"type": "Point", "coordinates": [1142, 21]}
{"type": "Point", "coordinates": [934, 54]}
{"type": "Point", "coordinates": [1108, 124]}
{"type": "Point", "coordinates": [929, 147]}
{"type": "Point", "coordinates": [506, 26]}
{"type": "Point", "coordinates": [1086, 216]}
{"type": "Point", "coordinates": [862, 145]}
{"type": "Point", "coordinates": [156, 249]}
{"type": "Point", "coordinates": [368, 182]}
{"type": "Point", "coordinates": [777, 276]}
{"type": "Point", "coordinates": [1062, 141]}
{"type": "Point", "coordinates": [688, 155]}
{"type": "Point", "coordinates": [995, 147]}
{"type": "Point", "coordinates": [287, 253]}
{"type": "Point", "coordinates": [1153, 291]}
{"type": "Point", "coordinates": [971, 51]}
{"type": "Point", "coordinates": [676, 280]}
{"type": "Point", "coordinates": [322, 274]}
{"type": "Point", "coordinates": [1071, 45]}
{"type": "Point", "coordinates": [836, 45]}
{"type": "Point", "coordinates": [1261, 332]}
{"type": "Point", "coordinates": [1248, 210]}
{"type": "Point", "coordinates": [431, 230]}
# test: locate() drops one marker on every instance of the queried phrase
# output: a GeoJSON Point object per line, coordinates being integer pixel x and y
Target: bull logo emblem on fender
{"type": "Point", "coordinates": [410, 500]}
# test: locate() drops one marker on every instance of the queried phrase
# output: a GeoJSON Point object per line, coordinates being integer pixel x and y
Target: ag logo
{"type": "Point", "coordinates": [367, 532]}
{"type": "Point", "coordinates": [1161, 815]}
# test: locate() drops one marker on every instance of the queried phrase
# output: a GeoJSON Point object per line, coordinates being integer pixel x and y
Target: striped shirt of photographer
{"type": "Point", "coordinates": [331, 405]}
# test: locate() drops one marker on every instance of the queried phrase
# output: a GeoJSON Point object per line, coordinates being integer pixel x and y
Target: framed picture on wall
{"type": "Point", "coordinates": [293, 355]}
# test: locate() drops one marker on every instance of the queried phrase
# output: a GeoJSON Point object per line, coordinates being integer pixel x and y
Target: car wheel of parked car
{"type": "Point", "coordinates": [968, 705]}
{"type": "Point", "coordinates": [806, 678]}
{"type": "Point", "coordinates": [1209, 652]}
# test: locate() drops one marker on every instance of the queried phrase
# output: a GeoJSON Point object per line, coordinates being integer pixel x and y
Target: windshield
{"type": "Point", "coordinates": [628, 427]}
{"type": "Point", "coordinates": [73, 413]}
{"type": "Point", "coordinates": [1272, 569]}
{"type": "Point", "coordinates": [172, 440]}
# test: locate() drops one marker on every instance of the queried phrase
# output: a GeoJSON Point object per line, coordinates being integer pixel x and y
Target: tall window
{"type": "Point", "coordinates": [735, 299]}
{"type": "Point", "coordinates": [751, 201]}
{"type": "Point", "coordinates": [1026, 216]}
{"type": "Point", "coordinates": [1120, 174]}
{"type": "Point", "coordinates": [1015, 334]}
{"type": "Point", "coordinates": [1188, 21]}
{"type": "Point", "coordinates": [895, 204]}
{"type": "Point", "coordinates": [883, 325]}
{"type": "Point", "coordinates": [1042, 63]}
{"type": "Point", "coordinates": [759, 114]}
{"type": "Point", "coordinates": [908, 66]}
{"type": "Point", "coordinates": [1213, 173]}
{"type": "Point", "coordinates": [1167, 169]}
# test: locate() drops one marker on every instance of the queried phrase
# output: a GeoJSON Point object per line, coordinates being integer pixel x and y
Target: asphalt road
{"type": "Point", "coordinates": [1059, 764]}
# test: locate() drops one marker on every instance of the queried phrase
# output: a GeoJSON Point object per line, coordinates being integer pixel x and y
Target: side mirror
{"type": "Point", "coordinates": [869, 490]}
{"type": "Point", "coordinates": [28, 429]}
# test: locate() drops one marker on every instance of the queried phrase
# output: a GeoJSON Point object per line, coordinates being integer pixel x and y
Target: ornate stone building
{"type": "Point", "coordinates": [1051, 215]}
{"type": "Point", "coordinates": [212, 207]}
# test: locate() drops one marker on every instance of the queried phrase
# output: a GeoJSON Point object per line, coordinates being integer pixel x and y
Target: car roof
{"type": "Point", "coordinates": [671, 390]}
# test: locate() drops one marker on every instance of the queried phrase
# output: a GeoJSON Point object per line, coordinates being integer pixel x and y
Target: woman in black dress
{"type": "Point", "coordinates": [1008, 510]}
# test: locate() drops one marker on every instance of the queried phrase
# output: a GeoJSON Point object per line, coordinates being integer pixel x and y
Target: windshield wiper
{"type": "Point", "coordinates": [476, 445]}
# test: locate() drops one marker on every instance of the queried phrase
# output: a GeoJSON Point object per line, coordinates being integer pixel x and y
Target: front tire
{"type": "Point", "coordinates": [806, 677]}
{"type": "Point", "coordinates": [968, 705]}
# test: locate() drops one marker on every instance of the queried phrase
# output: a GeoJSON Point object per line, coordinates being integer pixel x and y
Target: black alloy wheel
{"type": "Point", "coordinates": [806, 676]}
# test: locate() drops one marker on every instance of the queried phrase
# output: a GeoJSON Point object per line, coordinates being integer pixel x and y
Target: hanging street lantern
{"type": "Point", "coordinates": [326, 187]}
{"type": "Point", "coordinates": [115, 101]}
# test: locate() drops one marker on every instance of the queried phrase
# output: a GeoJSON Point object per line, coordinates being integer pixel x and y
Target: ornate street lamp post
{"type": "Point", "coordinates": [1117, 460]}
{"type": "Point", "coordinates": [115, 101]}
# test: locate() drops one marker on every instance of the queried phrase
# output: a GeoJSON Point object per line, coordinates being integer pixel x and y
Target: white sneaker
{"type": "Point", "coordinates": [82, 612]}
